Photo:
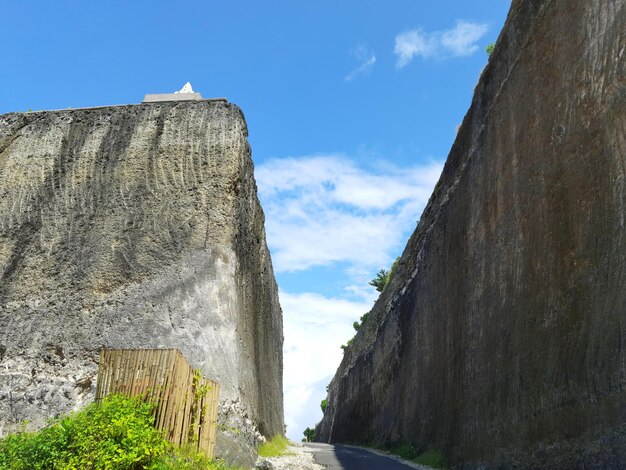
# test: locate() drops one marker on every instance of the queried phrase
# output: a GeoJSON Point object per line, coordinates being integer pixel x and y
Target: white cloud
{"type": "Point", "coordinates": [412, 43]}
{"type": "Point", "coordinates": [366, 58]}
{"type": "Point", "coordinates": [314, 328]}
{"type": "Point", "coordinates": [459, 41]}
{"type": "Point", "coordinates": [322, 210]}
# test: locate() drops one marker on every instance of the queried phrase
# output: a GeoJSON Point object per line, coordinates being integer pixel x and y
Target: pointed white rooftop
{"type": "Point", "coordinates": [185, 89]}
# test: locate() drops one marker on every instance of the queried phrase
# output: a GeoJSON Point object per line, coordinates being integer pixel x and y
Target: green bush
{"type": "Point", "coordinates": [117, 433]}
{"type": "Point", "coordinates": [357, 325]}
{"type": "Point", "coordinates": [309, 435]}
{"type": "Point", "coordinates": [432, 458]}
{"type": "Point", "coordinates": [186, 458]}
{"type": "Point", "coordinates": [489, 49]}
{"type": "Point", "coordinates": [347, 345]}
{"type": "Point", "coordinates": [276, 446]}
{"type": "Point", "coordinates": [383, 276]}
{"type": "Point", "coordinates": [405, 450]}
{"type": "Point", "coordinates": [380, 281]}
{"type": "Point", "coordinates": [324, 404]}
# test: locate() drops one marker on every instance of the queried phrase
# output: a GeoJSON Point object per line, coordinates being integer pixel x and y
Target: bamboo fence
{"type": "Point", "coordinates": [186, 402]}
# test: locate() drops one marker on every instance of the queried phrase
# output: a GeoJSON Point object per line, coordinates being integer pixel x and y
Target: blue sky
{"type": "Point", "coordinates": [352, 107]}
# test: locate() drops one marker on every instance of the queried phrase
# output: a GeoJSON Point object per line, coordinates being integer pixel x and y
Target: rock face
{"type": "Point", "coordinates": [132, 227]}
{"type": "Point", "coordinates": [501, 338]}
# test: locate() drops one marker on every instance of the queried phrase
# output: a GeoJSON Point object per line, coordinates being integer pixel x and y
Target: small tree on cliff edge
{"type": "Point", "coordinates": [309, 435]}
{"type": "Point", "coordinates": [381, 280]}
{"type": "Point", "coordinates": [324, 405]}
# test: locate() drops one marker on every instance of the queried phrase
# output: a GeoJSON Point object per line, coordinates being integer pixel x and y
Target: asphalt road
{"type": "Point", "coordinates": [338, 457]}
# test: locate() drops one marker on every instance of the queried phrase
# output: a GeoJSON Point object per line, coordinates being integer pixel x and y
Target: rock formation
{"type": "Point", "coordinates": [132, 227]}
{"type": "Point", "coordinates": [501, 338]}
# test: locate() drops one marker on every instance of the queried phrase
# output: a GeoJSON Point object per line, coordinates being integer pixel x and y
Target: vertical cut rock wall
{"type": "Point", "coordinates": [501, 339]}
{"type": "Point", "coordinates": [133, 227]}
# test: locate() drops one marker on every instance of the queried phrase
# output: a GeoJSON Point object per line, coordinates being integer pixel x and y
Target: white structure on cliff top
{"type": "Point", "coordinates": [186, 93]}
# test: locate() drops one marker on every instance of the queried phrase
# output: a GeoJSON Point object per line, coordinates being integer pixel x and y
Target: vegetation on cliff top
{"type": "Point", "coordinates": [379, 283]}
{"type": "Point", "coordinates": [116, 433]}
{"type": "Point", "coordinates": [324, 404]}
{"type": "Point", "coordinates": [381, 280]}
{"type": "Point", "coordinates": [383, 276]}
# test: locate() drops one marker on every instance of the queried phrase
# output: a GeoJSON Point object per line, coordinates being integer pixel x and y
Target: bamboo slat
{"type": "Point", "coordinates": [165, 378]}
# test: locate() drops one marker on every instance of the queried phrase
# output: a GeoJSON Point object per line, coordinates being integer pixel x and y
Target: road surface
{"type": "Point", "coordinates": [338, 457]}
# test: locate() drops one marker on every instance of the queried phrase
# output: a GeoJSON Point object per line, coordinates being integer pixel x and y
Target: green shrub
{"type": "Point", "coordinates": [405, 450]}
{"type": "Point", "coordinates": [276, 446]}
{"type": "Point", "coordinates": [383, 276]}
{"type": "Point", "coordinates": [489, 49]}
{"type": "Point", "coordinates": [347, 345]}
{"type": "Point", "coordinates": [324, 404]}
{"type": "Point", "coordinates": [117, 433]}
{"type": "Point", "coordinates": [380, 281]}
{"type": "Point", "coordinates": [432, 458]}
{"type": "Point", "coordinates": [186, 458]}
{"type": "Point", "coordinates": [309, 435]}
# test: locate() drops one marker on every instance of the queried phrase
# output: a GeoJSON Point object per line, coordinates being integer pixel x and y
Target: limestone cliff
{"type": "Point", "coordinates": [135, 226]}
{"type": "Point", "coordinates": [501, 338]}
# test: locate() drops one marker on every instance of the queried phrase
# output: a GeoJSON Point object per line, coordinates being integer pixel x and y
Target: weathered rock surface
{"type": "Point", "coordinates": [132, 227]}
{"type": "Point", "coordinates": [501, 338]}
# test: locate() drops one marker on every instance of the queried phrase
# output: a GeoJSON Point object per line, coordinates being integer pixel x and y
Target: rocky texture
{"type": "Point", "coordinates": [297, 457]}
{"type": "Point", "coordinates": [501, 338]}
{"type": "Point", "coordinates": [132, 227]}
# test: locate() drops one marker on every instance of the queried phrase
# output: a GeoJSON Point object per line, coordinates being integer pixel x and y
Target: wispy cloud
{"type": "Point", "coordinates": [366, 59]}
{"type": "Point", "coordinates": [315, 327]}
{"type": "Point", "coordinates": [322, 210]}
{"type": "Point", "coordinates": [325, 209]}
{"type": "Point", "coordinates": [459, 41]}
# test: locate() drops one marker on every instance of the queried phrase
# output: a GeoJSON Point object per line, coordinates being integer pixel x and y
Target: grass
{"type": "Point", "coordinates": [275, 447]}
{"type": "Point", "coordinates": [432, 458]}
{"type": "Point", "coordinates": [404, 450]}
{"type": "Point", "coordinates": [186, 458]}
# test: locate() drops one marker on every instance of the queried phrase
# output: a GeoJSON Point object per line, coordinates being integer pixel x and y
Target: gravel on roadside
{"type": "Point", "coordinates": [296, 458]}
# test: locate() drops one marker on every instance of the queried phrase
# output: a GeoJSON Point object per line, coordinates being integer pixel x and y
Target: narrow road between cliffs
{"type": "Point", "coordinates": [339, 457]}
